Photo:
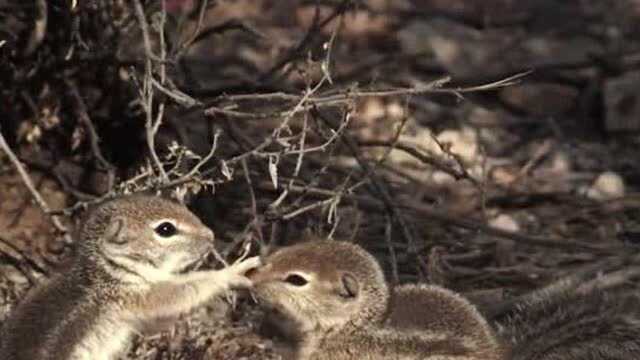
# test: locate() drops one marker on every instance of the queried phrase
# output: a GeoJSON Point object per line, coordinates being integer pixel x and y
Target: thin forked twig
{"type": "Point", "coordinates": [347, 96]}
{"type": "Point", "coordinates": [147, 92]}
{"type": "Point", "coordinates": [26, 179]}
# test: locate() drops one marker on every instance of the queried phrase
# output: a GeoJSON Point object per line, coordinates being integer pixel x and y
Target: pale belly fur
{"type": "Point", "coordinates": [109, 338]}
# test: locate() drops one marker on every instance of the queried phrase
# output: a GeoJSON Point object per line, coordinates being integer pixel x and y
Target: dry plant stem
{"type": "Point", "coordinates": [388, 228]}
{"type": "Point", "coordinates": [307, 40]}
{"type": "Point", "coordinates": [163, 45]}
{"type": "Point", "coordinates": [151, 128]}
{"type": "Point", "coordinates": [26, 179]}
{"type": "Point", "coordinates": [389, 222]}
{"type": "Point", "coordinates": [144, 27]}
{"type": "Point", "coordinates": [288, 115]}
{"type": "Point", "coordinates": [346, 96]}
{"type": "Point", "coordinates": [18, 265]}
{"type": "Point", "coordinates": [83, 115]}
{"type": "Point", "coordinates": [567, 244]}
{"type": "Point", "coordinates": [428, 213]}
{"type": "Point", "coordinates": [256, 222]}
{"type": "Point", "coordinates": [307, 208]}
{"type": "Point", "coordinates": [19, 212]}
{"type": "Point", "coordinates": [39, 27]}
{"type": "Point", "coordinates": [196, 32]}
{"type": "Point", "coordinates": [540, 153]}
{"type": "Point", "coordinates": [177, 95]}
{"type": "Point", "coordinates": [237, 240]}
{"type": "Point", "coordinates": [378, 186]}
{"type": "Point", "coordinates": [187, 178]}
{"type": "Point", "coordinates": [194, 171]}
{"type": "Point", "coordinates": [34, 265]}
{"type": "Point", "coordinates": [151, 125]}
{"type": "Point", "coordinates": [459, 162]}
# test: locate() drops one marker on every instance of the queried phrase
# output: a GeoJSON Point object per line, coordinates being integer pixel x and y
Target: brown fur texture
{"type": "Point", "coordinates": [328, 300]}
{"type": "Point", "coordinates": [125, 275]}
{"type": "Point", "coordinates": [567, 321]}
{"type": "Point", "coordinates": [436, 309]}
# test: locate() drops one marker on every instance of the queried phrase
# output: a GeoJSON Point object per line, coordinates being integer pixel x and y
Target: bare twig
{"type": "Point", "coordinates": [196, 169]}
{"type": "Point", "coordinates": [147, 92]}
{"type": "Point", "coordinates": [347, 96]}
{"type": "Point", "coordinates": [144, 26]}
{"type": "Point", "coordinates": [428, 160]}
{"type": "Point", "coordinates": [34, 265]}
{"type": "Point", "coordinates": [39, 27]}
{"type": "Point", "coordinates": [201, 12]}
{"type": "Point", "coordinates": [26, 179]}
{"type": "Point", "coordinates": [388, 228]}
{"type": "Point", "coordinates": [429, 214]}
{"type": "Point", "coordinates": [378, 186]}
{"type": "Point", "coordinates": [83, 115]}
{"type": "Point", "coordinates": [308, 38]}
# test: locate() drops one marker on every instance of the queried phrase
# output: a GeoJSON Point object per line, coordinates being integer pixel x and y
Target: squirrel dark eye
{"type": "Point", "coordinates": [166, 229]}
{"type": "Point", "coordinates": [296, 280]}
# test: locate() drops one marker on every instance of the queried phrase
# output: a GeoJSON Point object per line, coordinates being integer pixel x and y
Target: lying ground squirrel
{"type": "Point", "coordinates": [329, 300]}
{"type": "Point", "coordinates": [131, 269]}
{"type": "Point", "coordinates": [570, 321]}
{"type": "Point", "coordinates": [433, 308]}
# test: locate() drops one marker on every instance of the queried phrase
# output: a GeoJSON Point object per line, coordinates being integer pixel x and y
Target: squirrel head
{"type": "Point", "coordinates": [153, 236]}
{"type": "Point", "coordinates": [320, 286]}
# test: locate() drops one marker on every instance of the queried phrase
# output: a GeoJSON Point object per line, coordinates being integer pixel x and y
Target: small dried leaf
{"type": "Point", "coordinates": [77, 138]}
{"type": "Point", "coordinates": [226, 171]}
{"type": "Point", "coordinates": [273, 170]}
{"type": "Point", "coordinates": [326, 72]}
{"type": "Point", "coordinates": [284, 142]}
{"type": "Point", "coordinates": [179, 193]}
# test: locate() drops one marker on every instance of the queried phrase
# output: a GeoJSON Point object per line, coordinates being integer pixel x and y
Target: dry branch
{"type": "Point", "coordinates": [26, 179]}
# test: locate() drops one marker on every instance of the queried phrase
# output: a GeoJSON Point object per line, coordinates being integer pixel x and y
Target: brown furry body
{"type": "Point", "coordinates": [436, 309]}
{"type": "Point", "coordinates": [130, 270]}
{"type": "Point", "coordinates": [563, 322]}
{"type": "Point", "coordinates": [328, 300]}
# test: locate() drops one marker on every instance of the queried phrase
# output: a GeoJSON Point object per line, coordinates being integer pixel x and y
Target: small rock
{"type": "Point", "coordinates": [607, 186]}
{"type": "Point", "coordinates": [442, 178]}
{"type": "Point", "coordinates": [504, 222]}
{"type": "Point", "coordinates": [560, 163]}
{"type": "Point", "coordinates": [462, 142]}
{"type": "Point", "coordinates": [395, 110]}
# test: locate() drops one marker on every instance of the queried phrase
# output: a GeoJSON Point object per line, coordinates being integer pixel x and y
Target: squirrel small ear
{"type": "Point", "coordinates": [114, 233]}
{"type": "Point", "coordinates": [350, 286]}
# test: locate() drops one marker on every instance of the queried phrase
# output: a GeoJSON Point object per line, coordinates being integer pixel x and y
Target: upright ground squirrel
{"type": "Point", "coordinates": [131, 269]}
{"type": "Point", "coordinates": [329, 300]}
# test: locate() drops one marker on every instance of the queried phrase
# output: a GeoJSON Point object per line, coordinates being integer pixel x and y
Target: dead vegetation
{"type": "Point", "coordinates": [482, 145]}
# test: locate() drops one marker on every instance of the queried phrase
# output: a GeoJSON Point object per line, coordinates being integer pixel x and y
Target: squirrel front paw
{"type": "Point", "coordinates": [237, 272]}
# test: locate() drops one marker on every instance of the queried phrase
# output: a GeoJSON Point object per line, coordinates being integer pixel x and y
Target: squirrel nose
{"type": "Point", "coordinates": [261, 273]}
{"type": "Point", "coordinates": [208, 235]}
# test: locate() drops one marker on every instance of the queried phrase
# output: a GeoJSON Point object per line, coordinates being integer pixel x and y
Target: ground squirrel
{"type": "Point", "coordinates": [329, 300]}
{"type": "Point", "coordinates": [570, 321]}
{"type": "Point", "coordinates": [130, 269]}
{"type": "Point", "coordinates": [433, 308]}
